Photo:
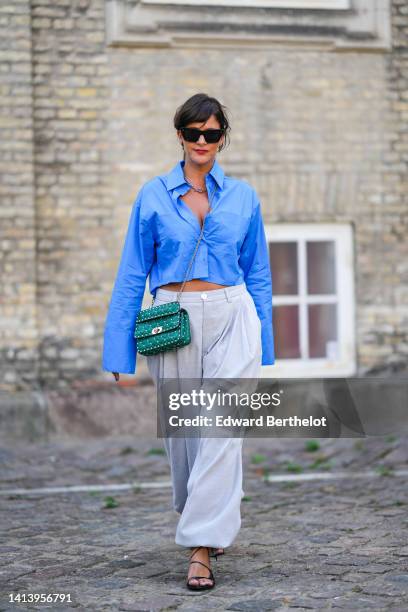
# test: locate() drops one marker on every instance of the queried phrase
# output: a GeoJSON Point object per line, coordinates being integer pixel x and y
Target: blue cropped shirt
{"type": "Point", "coordinates": [160, 241]}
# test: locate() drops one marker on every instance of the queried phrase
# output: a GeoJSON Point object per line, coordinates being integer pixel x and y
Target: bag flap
{"type": "Point", "coordinates": [159, 325]}
{"type": "Point", "coordinates": [158, 311]}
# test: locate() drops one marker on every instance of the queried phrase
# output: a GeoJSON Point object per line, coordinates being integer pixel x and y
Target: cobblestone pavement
{"type": "Point", "coordinates": [304, 545]}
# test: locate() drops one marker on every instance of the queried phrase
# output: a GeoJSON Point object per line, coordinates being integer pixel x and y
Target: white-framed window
{"type": "Point", "coordinates": [313, 299]}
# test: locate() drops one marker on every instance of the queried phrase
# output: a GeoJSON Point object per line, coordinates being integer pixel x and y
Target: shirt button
{"type": "Point", "coordinates": [204, 296]}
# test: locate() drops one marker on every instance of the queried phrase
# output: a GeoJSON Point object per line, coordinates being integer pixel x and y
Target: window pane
{"type": "Point", "coordinates": [321, 271]}
{"type": "Point", "coordinates": [322, 330]}
{"type": "Point", "coordinates": [286, 330]}
{"type": "Point", "coordinates": [283, 257]}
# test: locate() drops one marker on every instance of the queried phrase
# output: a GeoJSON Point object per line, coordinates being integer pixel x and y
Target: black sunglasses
{"type": "Point", "coordinates": [193, 134]}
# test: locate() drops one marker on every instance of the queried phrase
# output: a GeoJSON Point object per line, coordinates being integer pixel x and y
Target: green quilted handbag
{"type": "Point", "coordinates": [166, 326]}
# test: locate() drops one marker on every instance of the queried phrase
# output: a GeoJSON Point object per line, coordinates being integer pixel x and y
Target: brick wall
{"type": "Point", "coordinates": [74, 200]}
{"type": "Point", "coordinates": [18, 264]}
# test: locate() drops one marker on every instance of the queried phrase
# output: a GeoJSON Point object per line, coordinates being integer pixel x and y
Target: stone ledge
{"type": "Point", "coordinates": [88, 411]}
{"type": "Point", "coordinates": [174, 24]}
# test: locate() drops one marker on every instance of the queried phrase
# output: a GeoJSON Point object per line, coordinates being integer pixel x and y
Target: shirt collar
{"type": "Point", "coordinates": [175, 177]}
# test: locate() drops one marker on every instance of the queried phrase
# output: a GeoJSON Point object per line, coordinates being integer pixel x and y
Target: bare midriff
{"type": "Point", "coordinates": [195, 284]}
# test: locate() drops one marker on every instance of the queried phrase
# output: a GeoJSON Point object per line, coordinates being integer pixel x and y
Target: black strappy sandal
{"type": "Point", "coordinates": [217, 552]}
{"type": "Point", "coordinates": [200, 587]}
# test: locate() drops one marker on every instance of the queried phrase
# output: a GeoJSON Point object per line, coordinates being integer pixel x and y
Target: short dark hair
{"type": "Point", "coordinates": [199, 108]}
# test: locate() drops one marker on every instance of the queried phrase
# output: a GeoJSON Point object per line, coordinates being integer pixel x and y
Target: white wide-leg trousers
{"type": "Point", "coordinates": [207, 472]}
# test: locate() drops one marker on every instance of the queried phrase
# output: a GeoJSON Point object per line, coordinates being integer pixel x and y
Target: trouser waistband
{"type": "Point", "coordinates": [208, 295]}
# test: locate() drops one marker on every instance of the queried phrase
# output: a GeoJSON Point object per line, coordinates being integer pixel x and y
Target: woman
{"type": "Point", "coordinates": [228, 296]}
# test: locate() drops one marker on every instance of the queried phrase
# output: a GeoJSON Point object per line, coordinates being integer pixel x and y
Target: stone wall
{"type": "Point", "coordinates": [19, 362]}
{"type": "Point", "coordinates": [84, 124]}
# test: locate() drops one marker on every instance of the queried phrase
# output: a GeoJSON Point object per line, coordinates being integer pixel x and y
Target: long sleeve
{"type": "Point", "coordinates": [119, 345]}
{"type": "Point", "coordinates": [254, 261]}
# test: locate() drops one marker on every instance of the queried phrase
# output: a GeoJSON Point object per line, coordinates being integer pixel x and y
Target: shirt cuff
{"type": "Point", "coordinates": [119, 351]}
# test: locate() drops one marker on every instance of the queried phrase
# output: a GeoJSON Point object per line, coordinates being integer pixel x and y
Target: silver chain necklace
{"type": "Point", "coordinates": [198, 189]}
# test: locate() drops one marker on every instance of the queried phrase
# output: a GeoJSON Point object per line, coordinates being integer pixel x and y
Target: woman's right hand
{"type": "Point", "coordinates": [116, 375]}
